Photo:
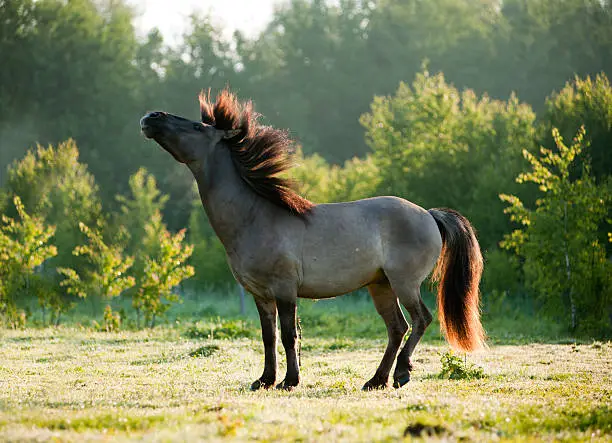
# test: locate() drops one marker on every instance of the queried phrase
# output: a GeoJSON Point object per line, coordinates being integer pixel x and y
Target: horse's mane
{"type": "Point", "coordinates": [259, 152]}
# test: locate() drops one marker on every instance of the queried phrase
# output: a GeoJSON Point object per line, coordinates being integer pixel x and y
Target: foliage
{"type": "Point", "coordinates": [219, 328]}
{"type": "Point", "coordinates": [456, 368]}
{"type": "Point", "coordinates": [585, 102]}
{"type": "Point", "coordinates": [441, 148]}
{"type": "Point", "coordinates": [55, 186]}
{"type": "Point", "coordinates": [313, 69]}
{"type": "Point", "coordinates": [24, 246]}
{"type": "Point", "coordinates": [106, 274]}
{"type": "Point", "coordinates": [77, 69]}
{"type": "Point", "coordinates": [164, 269]}
{"type": "Point", "coordinates": [565, 263]}
{"type": "Point", "coordinates": [501, 272]}
{"type": "Point", "coordinates": [139, 208]}
{"type": "Point", "coordinates": [136, 210]}
{"type": "Point", "coordinates": [111, 321]}
{"type": "Point", "coordinates": [78, 80]}
{"type": "Point", "coordinates": [325, 183]}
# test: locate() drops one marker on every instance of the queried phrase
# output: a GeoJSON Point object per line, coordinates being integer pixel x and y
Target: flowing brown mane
{"type": "Point", "coordinates": [260, 153]}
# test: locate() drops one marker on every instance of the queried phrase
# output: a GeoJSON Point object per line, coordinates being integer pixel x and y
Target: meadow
{"type": "Point", "coordinates": [189, 381]}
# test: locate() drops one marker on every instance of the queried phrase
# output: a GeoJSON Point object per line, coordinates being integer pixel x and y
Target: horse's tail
{"type": "Point", "coordinates": [458, 272]}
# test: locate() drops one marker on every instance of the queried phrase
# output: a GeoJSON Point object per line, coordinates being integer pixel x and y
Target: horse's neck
{"type": "Point", "coordinates": [228, 201]}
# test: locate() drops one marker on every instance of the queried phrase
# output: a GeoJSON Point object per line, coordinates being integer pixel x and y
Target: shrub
{"type": "Point", "coordinates": [164, 268]}
{"type": "Point", "coordinates": [454, 368]}
{"type": "Point", "coordinates": [54, 186]}
{"type": "Point", "coordinates": [564, 261]}
{"type": "Point", "coordinates": [105, 276]}
{"type": "Point", "coordinates": [24, 246]}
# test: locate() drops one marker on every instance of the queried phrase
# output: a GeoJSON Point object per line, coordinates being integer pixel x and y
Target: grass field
{"type": "Point", "coordinates": [176, 384]}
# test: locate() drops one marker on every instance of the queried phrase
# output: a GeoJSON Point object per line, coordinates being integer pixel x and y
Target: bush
{"type": "Point", "coordinates": [111, 321]}
{"type": "Point", "coordinates": [24, 246]}
{"type": "Point", "coordinates": [164, 268]}
{"type": "Point", "coordinates": [454, 368]}
{"type": "Point", "coordinates": [564, 261]}
{"type": "Point", "coordinates": [105, 272]}
{"type": "Point", "coordinates": [54, 186]}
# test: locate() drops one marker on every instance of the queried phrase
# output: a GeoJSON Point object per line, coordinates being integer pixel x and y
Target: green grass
{"type": "Point", "coordinates": [72, 384]}
{"type": "Point", "coordinates": [344, 318]}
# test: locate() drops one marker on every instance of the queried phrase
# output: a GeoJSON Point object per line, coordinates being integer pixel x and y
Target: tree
{"type": "Point", "coordinates": [588, 102]}
{"type": "Point", "coordinates": [106, 274]}
{"type": "Point", "coordinates": [164, 269]}
{"type": "Point", "coordinates": [24, 246]}
{"type": "Point", "coordinates": [565, 263]}
{"type": "Point", "coordinates": [324, 183]}
{"type": "Point", "coordinates": [552, 41]}
{"type": "Point", "coordinates": [78, 79]}
{"type": "Point", "coordinates": [143, 203]}
{"type": "Point", "coordinates": [437, 146]}
{"type": "Point", "coordinates": [55, 186]}
{"type": "Point", "coordinates": [309, 71]}
{"type": "Point", "coordinates": [453, 35]}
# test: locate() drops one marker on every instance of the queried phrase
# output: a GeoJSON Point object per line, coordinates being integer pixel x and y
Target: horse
{"type": "Point", "coordinates": [280, 246]}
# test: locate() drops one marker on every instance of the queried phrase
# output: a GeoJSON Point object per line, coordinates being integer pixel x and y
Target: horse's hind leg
{"type": "Point", "coordinates": [387, 306]}
{"type": "Point", "coordinates": [410, 297]}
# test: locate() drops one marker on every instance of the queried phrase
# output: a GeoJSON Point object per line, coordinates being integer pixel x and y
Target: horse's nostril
{"type": "Point", "coordinates": [156, 114]}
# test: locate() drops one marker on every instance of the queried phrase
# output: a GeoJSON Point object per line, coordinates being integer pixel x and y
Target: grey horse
{"type": "Point", "coordinates": [281, 246]}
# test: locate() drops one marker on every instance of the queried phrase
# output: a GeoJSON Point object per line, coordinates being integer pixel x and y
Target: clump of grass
{"type": "Point", "coordinates": [422, 430]}
{"type": "Point", "coordinates": [454, 368]}
{"type": "Point", "coordinates": [341, 344]}
{"type": "Point", "coordinates": [204, 351]}
{"type": "Point", "coordinates": [222, 329]}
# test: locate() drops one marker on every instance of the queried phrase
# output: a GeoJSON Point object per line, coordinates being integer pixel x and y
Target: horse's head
{"type": "Point", "coordinates": [188, 141]}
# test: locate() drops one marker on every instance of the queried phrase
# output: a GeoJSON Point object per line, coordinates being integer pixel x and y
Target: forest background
{"type": "Point", "coordinates": [501, 110]}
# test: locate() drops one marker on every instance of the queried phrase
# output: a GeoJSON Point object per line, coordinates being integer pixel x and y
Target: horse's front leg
{"type": "Point", "coordinates": [287, 311]}
{"type": "Point", "coordinates": [267, 316]}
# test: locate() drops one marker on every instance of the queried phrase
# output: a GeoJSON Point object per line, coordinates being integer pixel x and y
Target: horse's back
{"type": "Point", "coordinates": [347, 245]}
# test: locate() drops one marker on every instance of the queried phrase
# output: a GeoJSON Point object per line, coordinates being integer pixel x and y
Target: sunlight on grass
{"type": "Point", "coordinates": [76, 385]}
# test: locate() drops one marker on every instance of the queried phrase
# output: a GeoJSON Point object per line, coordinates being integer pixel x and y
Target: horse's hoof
{"type": "Point", "coordinates": [372, 385]}
{"type": "Point", "coordinates": [260, 384]}
{"type": "Point", "coordinates": [400, 381]}
{"type": "Point", "coordinates": [285, 386]}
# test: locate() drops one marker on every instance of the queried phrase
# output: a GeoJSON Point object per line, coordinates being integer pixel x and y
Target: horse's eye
{"type": "Point", "coordinates": [198, 126]}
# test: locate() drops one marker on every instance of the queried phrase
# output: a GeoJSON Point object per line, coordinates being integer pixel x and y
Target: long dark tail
{"type": "Point", "coordinates": [458, 274]}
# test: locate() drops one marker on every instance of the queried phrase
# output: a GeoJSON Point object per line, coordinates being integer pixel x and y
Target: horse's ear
{"type": "Point", "coordinates": [231, 133]}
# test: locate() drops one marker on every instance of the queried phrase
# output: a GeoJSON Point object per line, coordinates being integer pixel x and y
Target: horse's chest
{"type": "Point", "coordinates": [260, 275]}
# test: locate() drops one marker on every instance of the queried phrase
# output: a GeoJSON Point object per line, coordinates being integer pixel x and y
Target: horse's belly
{"type": "Point", "coordinates": [329, 270]}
